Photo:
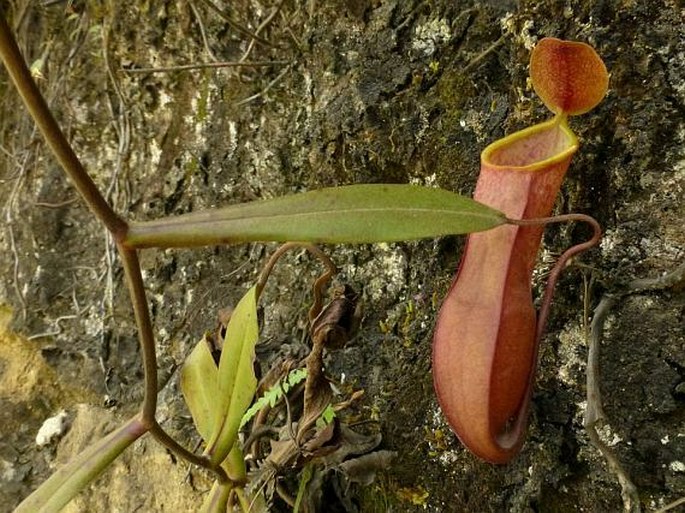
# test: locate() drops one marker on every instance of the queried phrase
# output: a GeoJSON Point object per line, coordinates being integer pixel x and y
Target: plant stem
{"type": "Point", "coordinates": [319, 284]}
{"type": "Point", "coordinates": [38, 108]}
{"type": "Point", "coordinates": [134, 281]}
{"type": "Point", "coordinates": [205, 65]}
{"type": "Point", "coordinates": [163, 437]}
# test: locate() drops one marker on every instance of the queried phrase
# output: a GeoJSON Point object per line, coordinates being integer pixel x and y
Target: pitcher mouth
{"type": "Point", "coordinates": [532, 148]}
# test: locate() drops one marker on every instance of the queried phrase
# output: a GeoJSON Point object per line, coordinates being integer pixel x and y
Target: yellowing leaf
{"type": "Point", "coordinates": [199, 388]}
{"type": "Point", "coordinates": [236, 381]}
{"type": "Point", "coordinates": [217, 498]}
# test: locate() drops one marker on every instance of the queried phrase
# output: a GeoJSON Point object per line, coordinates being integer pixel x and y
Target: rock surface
{"type": "Point", "coordinates": [362, 91]}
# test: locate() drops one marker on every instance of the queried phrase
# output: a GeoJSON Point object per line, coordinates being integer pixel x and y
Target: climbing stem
{"type": "Point", "coordinates": [163, 437]}
{"type": "Point", "coordinates": [38, 108]}
{"type": "Point", "coordinates": [134, 280]}
{"type": "Point", "coordinates": [319, 284]}
{"type": "Point", "coordinates": [146, 339]}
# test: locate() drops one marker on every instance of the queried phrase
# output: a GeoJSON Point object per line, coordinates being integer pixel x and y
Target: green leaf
{"type": "Point", "coordinates": [199, 387]}
{"type": "Point", "coordinates": [326, 417]}
{"type": "Point", "coordinates": [216, 500]}
{"type": "Point", "coordinates": [350, 214]}
{"type": "Point", "coordinates": [305, 477]}
{"type": "Point", "coordinates": [71, 478]}
{"type": "Point", "coordinates": [236, 381]}
{"type": "Point", "coordinates": [234, 465]}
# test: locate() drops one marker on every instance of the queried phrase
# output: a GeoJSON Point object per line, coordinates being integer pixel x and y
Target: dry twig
{"type": "Point", "coordinates": [594, 413]}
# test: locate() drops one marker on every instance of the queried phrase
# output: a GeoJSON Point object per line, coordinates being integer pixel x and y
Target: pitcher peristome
{"type": "Point", "coordinates": [485, 344]}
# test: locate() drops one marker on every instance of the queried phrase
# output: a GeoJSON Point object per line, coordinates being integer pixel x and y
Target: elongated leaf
{"type": "Point", "coordinates": [305, 477]}
{"type": "Point", "coordinates": [236, 382]}
{"type": "Point", "coordinates": [199, 385]}
{"type": "Point", "coordinates": [234, 465]}
{"type": "Point", "coordinates": [350, 214]}
{"type": "Point", "coordinates": [217, 498]}
{"type": "Point", "coordinates": [70, 479]}
{"type": "Point", "coordinates": [200, 389]}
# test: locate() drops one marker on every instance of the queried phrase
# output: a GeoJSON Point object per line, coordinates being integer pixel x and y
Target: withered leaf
{"type": "Point", "coordinates": [352, 444]}
{"type": "Point", "coordinates": [339, 319]}
{"type": "Point", "coordinates": [363, 469]}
